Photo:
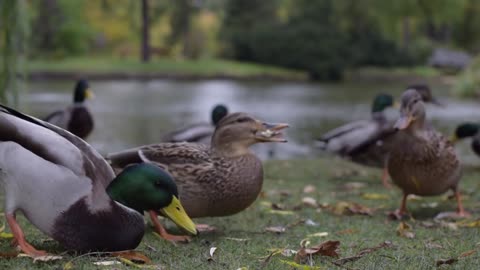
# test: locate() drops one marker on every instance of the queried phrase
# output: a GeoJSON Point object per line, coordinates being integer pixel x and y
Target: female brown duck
{"type": "Point", "coordinates": [217, 180]}
{"type": "Point", "coordinates": [422, 161]}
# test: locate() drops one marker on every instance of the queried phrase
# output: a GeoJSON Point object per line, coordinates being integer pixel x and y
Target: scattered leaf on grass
{"type": "Point", "coordinates": [327, 248]}
{"type": "Point", "coordinates": [211, 252]}
{"type": "Point", "coordinates": [205, 228]}
{"type": "Point", "coordinates": [310, 202]}
{"type": "Point", "coordinates": [68, 266]}
{"type": "Point", "coordinates": [467, 253]}
{"type": "Point", "coordinates": [45, 258]}
{"type": "Point", "coordinates": [375, 196]}
{"type": "Point", "coordinates": [309, 189]}
{"type": "Point", "coordinates": [446, 261]}
{"type": "Point", "coordinates": [405, 230]}
{"type": "Point", "coordinates": [310, 222]}
{"type": "Point", "coordinates": [4, 234]}
{"type": "Point", "coordinates": [432, 245]}
{"type": "Point", "coordinates": [276, 229]}
{"type": "Point", "coordinates": [281, 212]}
{"type": "Point", "coordinates": [362, 253]}
{"type": "Point", "coordinates": [318, 234]}
{"type": "Point", "coordinates": [106, 263]}
{"type": "Point", "coordinates": [133, 256]}
{"type": "Point", "coordinates": [351, 208]}
{"type": "Point", "coordinates": [469, 224]}
{"type": "Point", "coordinates": [236, 239]}
{"type": "Point", "coordinates": [277, 206]}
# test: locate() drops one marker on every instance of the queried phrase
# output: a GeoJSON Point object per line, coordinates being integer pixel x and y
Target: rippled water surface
{"type": "Point", "coordinates": [132, 113]}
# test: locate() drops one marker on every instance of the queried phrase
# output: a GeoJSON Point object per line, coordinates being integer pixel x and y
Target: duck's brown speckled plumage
{"type": "Point", "coordinates": [217, 180]}
{"type": "Point", "coordinates": [424, 163]}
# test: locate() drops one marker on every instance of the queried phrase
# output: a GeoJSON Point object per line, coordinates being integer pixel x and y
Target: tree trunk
{"type": "Point", "coordinates": [145, 32]}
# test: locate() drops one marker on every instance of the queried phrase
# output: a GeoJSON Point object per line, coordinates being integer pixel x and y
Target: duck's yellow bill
{"type": "Point", "coordinates": [89, 94]}
{"type": "Point", "coordinates": [177, 214]}
{"type": "Point", "coordinates": [403, 122]}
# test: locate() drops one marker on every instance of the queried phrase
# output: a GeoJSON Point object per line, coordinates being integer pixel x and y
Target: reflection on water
{"type": "Point", "coordinates": [132, 113]}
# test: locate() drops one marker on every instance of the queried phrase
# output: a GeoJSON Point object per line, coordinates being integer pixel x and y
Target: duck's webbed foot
{"type": "Point", "coordinates": [20, 238]}
{"type": "Point", "coordinates": [163, 232]}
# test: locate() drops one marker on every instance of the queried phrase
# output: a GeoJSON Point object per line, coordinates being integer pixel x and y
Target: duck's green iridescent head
{"type": "Point", "coordinates": [382, 102]}
{"type": "Point", "coordinates": [145, 187]}
{"type": "Point", "coordinates": [218, 112]}
{"type": "Point", "coordinates": [82, 91]}
{"type": "Point", "coordinates": [465, 130]}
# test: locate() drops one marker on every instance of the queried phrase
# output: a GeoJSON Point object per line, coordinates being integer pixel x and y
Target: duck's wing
{"type": "Point", "coordinates": [347, 137]}
{"type": "Point", "coordinates": [54, 144]}
{"type": "Point", "coordinates": [60, 118]}
{"type": "Point", "coordinates": [192, 133]}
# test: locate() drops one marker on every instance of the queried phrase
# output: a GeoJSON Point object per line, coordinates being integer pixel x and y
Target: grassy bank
{"type": "Point", "coordinates": [241, 240]}
{"type": "Point", "coordinates": [161, 67]}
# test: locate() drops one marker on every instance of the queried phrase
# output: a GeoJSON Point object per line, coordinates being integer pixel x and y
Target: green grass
{"type": "Point", "coordinates": [201, 67]}
{"type": "Point", "coordinates": [284, 183]}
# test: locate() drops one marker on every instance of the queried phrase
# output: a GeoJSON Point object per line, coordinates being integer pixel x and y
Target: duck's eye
{"type": "Point", "coordinates": [158, 184]}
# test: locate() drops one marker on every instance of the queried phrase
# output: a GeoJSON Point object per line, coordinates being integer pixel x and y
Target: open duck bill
{"type": "Point", "coordinates": [271, 132]}
{"type": "Point", "coordinates": [404, 122]}
{"type": "Point", "coordinates": [177, 214]}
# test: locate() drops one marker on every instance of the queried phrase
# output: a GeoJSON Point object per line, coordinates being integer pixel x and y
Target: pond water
{"type": "Point", "coordinates": [133, 113]}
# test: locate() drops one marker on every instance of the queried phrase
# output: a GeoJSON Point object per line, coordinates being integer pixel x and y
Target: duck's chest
{"type": "Point", "coordinates": [115, 229]}
{"type": "Point", "coordinates": [81, 122]}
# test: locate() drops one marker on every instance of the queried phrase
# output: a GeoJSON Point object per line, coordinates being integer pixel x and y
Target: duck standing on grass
{"type": "Point", "coordinates": [467, 130]}
{"type": "Point", "coordinates": [422, 161]}
{"type": "Point", "coordinates": [217, 180]}
{"type": "Point", "coordinates": [201, 132]}
{"type": "Point", "coordinates": [368, 142]}
{"type": "Point", "coordinates": [69, 192]}
{"type": "Point", "coordinates": [76, 118]}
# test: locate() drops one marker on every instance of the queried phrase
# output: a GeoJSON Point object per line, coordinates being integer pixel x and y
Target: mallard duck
{"type": "Point", "coordinates": [367, 142]}
{"type": "Point", "coordinates": [76, 118]}
{"type": "Point", "coordinates": [467, 130]}
{"type": "Point", "coordinates": [69, 192]}
{"type": "Point", "coordinates": [217, 180]}
{"type": "Point", "coordinates": [201, 132]}
{"type": "Point", "coordinates": [421, 160]}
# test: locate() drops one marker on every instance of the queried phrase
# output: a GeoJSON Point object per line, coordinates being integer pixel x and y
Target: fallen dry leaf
{"type": "Point", "coordinates": [375, 196]}
{"type": "Point", "coordinates": [446, 261]}
{"type": "Point", "coordinates": [106, 263]}
{"type": "Point", "coordinates": [3, 234]}
{"type": "Point", "coordinates": [431, 245]}
{"type": "Point", "coordinates": [45, 258]}
{"type": "Point", "coordinates": [276, 229]}
{"type": "Point", "coordinates": [405, 230]}
{"type": "Point", "coordinates": [327, 248]}
{"type": "Point", "coordinates": [133, 256]}
{"type": "Point", "coordinates": [469, 224]}
{"type": "Point", "coordinates": [205, 228]}
{"type": "Point", "coordinates": [309, 189]}
{"type": "Point", "coordinates": [237, 239]}
{"type": "Point", "coordinates": [318, 234]}
{"type": "Point", "coordinates": [351, 208]}
{"type": "Point", "coordinates": [362, 253]}
{"type": "Point", "coordinates": [310, 222]}
{"type": "Point", "coordinates": [467, 253]}
{"type": "Point", "coordinates": [68, 265]}
{"type": "Point", "coordinates": [277, 206]}
{"type": "Point", "coordinates": [310, 202]}
{"type": "Point", "coordinates": [211, 252]}
{"type": "Point", "coordinates": [281, 212]}
{"type": "Point", "coordinates": [12, 254]}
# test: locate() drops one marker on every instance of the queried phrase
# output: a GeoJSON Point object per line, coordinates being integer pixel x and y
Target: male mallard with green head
{"type": "Point", "coordinates": [75, 118]}
{"type": "Point", "coordinates": [422, 161]}
{"type": "Point", "coordinates": [68, 191]}
{"type": "Point", "coordinates": [468, 130]}
{"type": "Point", "coordinates": [201, 132]}
{"type": "Point", "coordinates": [217, 180]}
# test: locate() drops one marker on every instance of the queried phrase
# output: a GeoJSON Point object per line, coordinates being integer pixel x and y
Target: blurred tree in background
{"type": "Point", "coordinates": [13, 38]}
{"type": "Point", "coordinates": [323, 37]}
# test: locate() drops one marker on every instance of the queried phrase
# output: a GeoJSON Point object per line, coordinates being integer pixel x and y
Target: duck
{"type": "Point", "coordinates": [200, 132]}
{"type": "Point", "coordinates": [466, 130]}
{"type": "Point", "coordinates": [76, 118]}
{"type": "Point", "coordinates": [367, 142]}
{"type": "Point", "coordinates": [429, 165]}
{"type": "Point", "coordinates": [214, 180]}
{"type": "Point", "coordinates": [68, 191]}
